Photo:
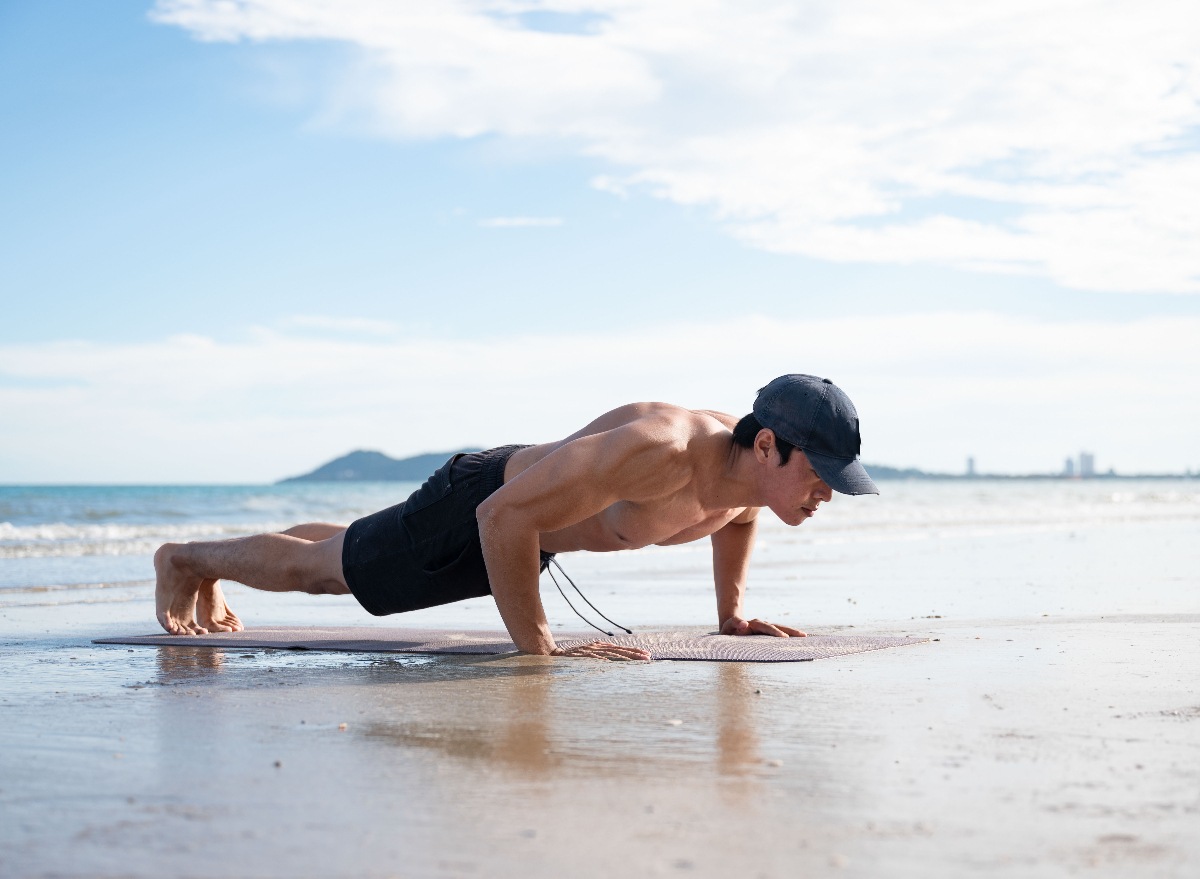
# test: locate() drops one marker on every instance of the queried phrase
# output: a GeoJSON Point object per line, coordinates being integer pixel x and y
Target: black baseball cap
{"type": "Point", "coordinates": [816, 416]}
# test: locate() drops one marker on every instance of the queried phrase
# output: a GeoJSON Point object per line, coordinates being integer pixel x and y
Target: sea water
{"type": "Point", "coordinates": [920, 550]}
{"type": "Point", "coordinates": [78, 536]}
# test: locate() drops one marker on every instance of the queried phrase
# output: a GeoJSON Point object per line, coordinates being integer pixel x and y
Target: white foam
{"type": "Point", "coordinates": [60, 540]}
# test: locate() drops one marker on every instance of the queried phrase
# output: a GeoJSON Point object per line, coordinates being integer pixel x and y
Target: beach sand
{"type": "Point", "coordinates": [1011, 747]}
{"type": "Point", "coordinates": [1059, 738]}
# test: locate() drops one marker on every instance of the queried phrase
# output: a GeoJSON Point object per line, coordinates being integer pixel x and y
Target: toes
{"type": "Point", "coordinates": [170, 626]}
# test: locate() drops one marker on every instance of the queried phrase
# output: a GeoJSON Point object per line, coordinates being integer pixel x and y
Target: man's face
{"type": "Point", "coordinates": [794, 491]}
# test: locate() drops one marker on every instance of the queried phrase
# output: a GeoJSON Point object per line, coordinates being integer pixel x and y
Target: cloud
{"type": "Point", "coordinates": [1056, 137]}
{"type": "Point", "coordinates": [1019, 395]}
{"type": "Point", "coordinates": [514, 222]}
{"type": "Point", "coordinates": [349, 325]}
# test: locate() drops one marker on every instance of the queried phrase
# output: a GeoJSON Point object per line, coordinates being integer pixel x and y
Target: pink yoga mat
{"type": "Point", "coordinates": [661, 645]}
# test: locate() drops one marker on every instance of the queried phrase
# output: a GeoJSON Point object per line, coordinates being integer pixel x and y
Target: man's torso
{"type": "Point", "coordinates": [679, 516]}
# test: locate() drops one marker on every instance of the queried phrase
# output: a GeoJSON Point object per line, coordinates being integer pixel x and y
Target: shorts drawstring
{"type": "Point", "coordinates": [551, 560]}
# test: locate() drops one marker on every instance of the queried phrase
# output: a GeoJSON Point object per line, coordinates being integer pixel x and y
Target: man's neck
{"type": "Point", "coordinates": [736, 484]}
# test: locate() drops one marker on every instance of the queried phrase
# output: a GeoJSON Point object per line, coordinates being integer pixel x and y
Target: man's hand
{"type": "Point", "coordinates": [603, 650]}
{"type": "Point", "coordinates": [739, 626]}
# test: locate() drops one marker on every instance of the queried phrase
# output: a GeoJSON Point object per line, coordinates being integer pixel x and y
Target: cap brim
{"type": "Point", "coordinates": [846, 475]}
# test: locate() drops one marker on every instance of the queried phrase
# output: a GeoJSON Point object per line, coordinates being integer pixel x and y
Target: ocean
{"type": "Point", "coordinates": [920, 549]}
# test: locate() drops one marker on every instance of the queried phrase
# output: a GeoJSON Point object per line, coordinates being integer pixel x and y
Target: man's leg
{"type": "Point", "coordinates": [314, 531]}
{"type": "Point", "coordinates": [188, 597]}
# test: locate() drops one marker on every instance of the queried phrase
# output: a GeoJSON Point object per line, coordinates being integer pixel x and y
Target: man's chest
{"type": "Point", "coordinates": [664, 523]}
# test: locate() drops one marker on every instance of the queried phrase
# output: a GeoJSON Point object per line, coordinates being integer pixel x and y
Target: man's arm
{"type": "Point", "coordinates": [635, 462]}
{"type": "Point", "coordinates": [731, 547]}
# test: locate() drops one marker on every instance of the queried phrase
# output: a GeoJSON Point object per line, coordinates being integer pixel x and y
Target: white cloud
{"type": "Point", "coordinates": [517, 222]}
{"type": "Point", "coordinates": [1018, 395]}
{"type": "Point", "coordinates": [350, 325]}
{"type": "Point", "coordinates": [1053, 137]}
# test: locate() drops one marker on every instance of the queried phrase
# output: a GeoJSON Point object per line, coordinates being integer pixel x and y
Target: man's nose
{"type": "Point", "coordinates": [824, 492]}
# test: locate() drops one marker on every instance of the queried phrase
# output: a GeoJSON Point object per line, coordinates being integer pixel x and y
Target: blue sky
{"type": "Point", "coordinates": [162, 181]}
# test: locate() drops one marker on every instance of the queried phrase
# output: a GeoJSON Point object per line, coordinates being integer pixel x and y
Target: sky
{"type": "Point", "coordinates": [241, 238]}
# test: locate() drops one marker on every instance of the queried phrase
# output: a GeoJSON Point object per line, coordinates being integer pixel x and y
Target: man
{"type": "Point", "coordinates": [646, 473]}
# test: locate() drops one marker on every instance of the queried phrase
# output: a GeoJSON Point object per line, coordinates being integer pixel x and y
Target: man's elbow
{"type": "Point", "coordinates": [487, 513]}
{"type": "Point", "coordinates": [492, 516]}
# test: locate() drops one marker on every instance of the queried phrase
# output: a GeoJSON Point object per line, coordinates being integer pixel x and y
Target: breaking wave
{"type": "Point", "coordinates": [60, 540]}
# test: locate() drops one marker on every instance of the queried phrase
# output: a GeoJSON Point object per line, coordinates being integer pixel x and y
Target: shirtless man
{"type": "Point", "coordinates": [488, 523]}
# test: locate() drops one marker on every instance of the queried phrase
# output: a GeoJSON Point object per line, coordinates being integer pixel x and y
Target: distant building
{"type": "Point", "coordinates": [1069, 467]}
{"type": "Point", "coordinates": [970, 466]}
{"type": "Point", "coordinates": [1087, 465]}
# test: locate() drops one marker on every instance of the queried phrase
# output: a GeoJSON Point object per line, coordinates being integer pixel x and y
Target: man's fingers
{"type": "Point", "coordinates": [793, 633]}
{"type": "Point", "coordinates": [621, 650]}
{"type": "Point", "coordinates": [764, 628]}
{"type": "Point", "coordinates": [605, 650]}
{"type": "Point", "coordinates": [760, 627]}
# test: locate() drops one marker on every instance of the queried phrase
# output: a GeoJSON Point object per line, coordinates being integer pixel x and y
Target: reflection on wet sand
{"type": "Point", "coordinates": [739, 761]}
{"type": "Point", "coordinates": [537, 720]}
{"type": "Point", "coordinates": [508, 726]}
{"type": "Point", "coordinates": [187, 662]}
{"type": "Point", "coordinates": [737, 744]}
{"type": "Point", "coordinates": [524, 739]}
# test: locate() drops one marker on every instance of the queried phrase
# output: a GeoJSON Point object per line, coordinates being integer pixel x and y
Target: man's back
{"type": "Point", "coordinates": [656, 460]}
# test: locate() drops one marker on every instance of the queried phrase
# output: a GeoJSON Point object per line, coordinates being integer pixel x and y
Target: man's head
{"type": "Point", "coordinates": [785, 482]}
{"type": "Point", "coordinates": [814, 416]}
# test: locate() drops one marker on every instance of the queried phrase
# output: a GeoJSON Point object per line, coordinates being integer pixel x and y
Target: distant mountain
{"type": "Point", "coordinates": [878, 471]}
{"type": "Point", "coordinates": [364, 466]}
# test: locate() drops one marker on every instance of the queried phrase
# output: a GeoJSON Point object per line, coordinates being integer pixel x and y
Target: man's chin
{"type": "Point", "coordinates": [796, 518]}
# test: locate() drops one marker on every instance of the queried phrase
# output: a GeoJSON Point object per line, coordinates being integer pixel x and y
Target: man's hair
{"type": "Point", "coordinates": [747, 429]}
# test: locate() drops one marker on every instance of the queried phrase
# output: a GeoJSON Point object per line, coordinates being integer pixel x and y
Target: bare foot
{"type": "Point", "coordinates": [212, 611]}
{"type": "Point", "coordinates": [175, 594]}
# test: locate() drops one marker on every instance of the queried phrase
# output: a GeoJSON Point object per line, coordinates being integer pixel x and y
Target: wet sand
{"type": "Point", "coordinates": [1005, 748]}
{"type": "Point", "coordinates": [1061, 737]}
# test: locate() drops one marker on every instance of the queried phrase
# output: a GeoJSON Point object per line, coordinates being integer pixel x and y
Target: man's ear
{"type": "Point", "coordinates": [764, 444]}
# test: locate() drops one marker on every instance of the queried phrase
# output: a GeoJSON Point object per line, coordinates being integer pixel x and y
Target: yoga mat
{"type": "Point", "coordinates": [661, 645]}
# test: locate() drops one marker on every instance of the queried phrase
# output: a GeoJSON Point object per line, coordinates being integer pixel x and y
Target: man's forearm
{"type": "Point", "coordinates": [732, 546]}
{"type": "Point", "coordinates": [513, 562]}
{"type": "Point", "coordinates": [729, 603]}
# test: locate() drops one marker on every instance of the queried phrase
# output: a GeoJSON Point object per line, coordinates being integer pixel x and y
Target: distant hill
{"type": "Point", "coordinates": [878, 471]}
{"type": "Point", "coordinates": [364, 466]}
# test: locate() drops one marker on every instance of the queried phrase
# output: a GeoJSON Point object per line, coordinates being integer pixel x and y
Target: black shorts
{"type": "Point", "coordinates": [426, 551]}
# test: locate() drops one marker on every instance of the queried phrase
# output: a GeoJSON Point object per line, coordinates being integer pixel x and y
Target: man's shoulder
{"type": "Point", "coordinates": [726, 420]}
{"type": "Point", "coordinates": [669, 424]}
